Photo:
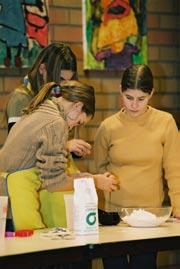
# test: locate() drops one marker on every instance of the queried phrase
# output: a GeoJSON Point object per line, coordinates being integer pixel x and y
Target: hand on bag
{"type": "Point", "coordinates": [106, 182]}
{"type": "Point", "coordinates": [79, 147]}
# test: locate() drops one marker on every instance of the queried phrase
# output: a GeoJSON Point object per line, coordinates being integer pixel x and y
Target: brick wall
{"type": "Point", "coordinates": [163, 36]}
{"type": "Point", "coordinates": [164, 52]}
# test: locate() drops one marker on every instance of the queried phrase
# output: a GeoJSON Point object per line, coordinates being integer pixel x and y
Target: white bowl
{"type": "Point", "coordinates": [145, 216]}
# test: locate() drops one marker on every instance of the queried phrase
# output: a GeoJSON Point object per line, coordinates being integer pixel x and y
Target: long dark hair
{"type": "Point", "coordinates": [56, 57]}
{"type": "Point", "coordinates": [137, 77]}
{"type": "Point", "coordinates": [73, 91]}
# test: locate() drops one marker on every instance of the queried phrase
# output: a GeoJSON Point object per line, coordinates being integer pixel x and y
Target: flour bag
{"type": "Point", "coordinates": [85, 207]}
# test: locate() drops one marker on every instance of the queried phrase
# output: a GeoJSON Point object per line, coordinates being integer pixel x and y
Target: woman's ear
{"type": "Point", "coordinates": [42, 68]}
{"type": "Point", "coordinates": [120, 88]}
{"type": "Point", "coordinates": [79, 105]}
{"type": "Point", "coordinates": [43, 72]}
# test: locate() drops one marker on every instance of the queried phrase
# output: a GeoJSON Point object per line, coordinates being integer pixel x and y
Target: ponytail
{"type": "Point", "coordinates": [72, 91]}
{"type": "Point", "coordinates": [44, 93]}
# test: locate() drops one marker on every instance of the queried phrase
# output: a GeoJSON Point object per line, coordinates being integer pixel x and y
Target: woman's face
{"type": "Point", "coordinates": [135, 101]}
{"type": "Point", "coordinates": [66, 75]}
{"type": "Point", "coordinates": [76, 116]}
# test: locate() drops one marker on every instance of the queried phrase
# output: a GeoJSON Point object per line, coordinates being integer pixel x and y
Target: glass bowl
{"type": "Point", "coordinates": [145, 216]}
{"type": "Point", "coordinates": [108, 217]}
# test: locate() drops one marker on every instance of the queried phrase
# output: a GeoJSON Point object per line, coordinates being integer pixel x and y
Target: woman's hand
{"type": "Point", "coordinates": [79, 147]}
{"type": "Point", "coordinates": [177, 216]}
{"type": "Point", "coordinates": [106, 182]}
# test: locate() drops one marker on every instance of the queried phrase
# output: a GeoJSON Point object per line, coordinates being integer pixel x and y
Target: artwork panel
{"type": "Point", "coordinates": [114, 34]}
{"type": "Point", "coordinates": [24, 31]}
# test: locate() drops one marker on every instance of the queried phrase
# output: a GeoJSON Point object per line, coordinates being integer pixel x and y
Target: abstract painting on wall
{"type": "Point", "coordinates": [23, 31]}
{"type": "Point", "coordinates": [114, 34]}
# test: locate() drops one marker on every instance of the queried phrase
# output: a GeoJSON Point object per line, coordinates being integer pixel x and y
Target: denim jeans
{"type": "Point", "coordinates": [139, 261]}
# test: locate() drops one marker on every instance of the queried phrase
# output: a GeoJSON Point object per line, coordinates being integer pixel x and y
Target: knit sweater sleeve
{"type": "Point", "coordinates": [17, 102]}
{"type": "Point", "coordinates": [51, 155]}
{"type": "Point", "coordinates": [101, 145]}
{"type": "Point", "coordinates": [171, 163]}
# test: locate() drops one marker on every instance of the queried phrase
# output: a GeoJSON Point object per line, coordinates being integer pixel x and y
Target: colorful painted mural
{"type": "Point", "coordinates": [23, 31]}
{"type": "Point", "coordinates": [114, 33]}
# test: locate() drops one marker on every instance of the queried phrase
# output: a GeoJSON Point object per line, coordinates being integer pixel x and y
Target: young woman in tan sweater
{"type": "Point", "coordinates": [137, 144]}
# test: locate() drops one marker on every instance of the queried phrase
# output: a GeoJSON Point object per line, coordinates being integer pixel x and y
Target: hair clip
{"type": "Point", "coordinates": [56, 91]}
{"type": "Point", "coordinates": [26, 81]}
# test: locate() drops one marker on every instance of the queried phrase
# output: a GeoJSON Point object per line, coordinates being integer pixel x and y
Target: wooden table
{"type": "Point", "coordinates": [22, 253]}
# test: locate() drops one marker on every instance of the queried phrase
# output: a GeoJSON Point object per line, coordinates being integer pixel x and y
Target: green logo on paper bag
{"type": "Point", "coordinates": [91, 218]}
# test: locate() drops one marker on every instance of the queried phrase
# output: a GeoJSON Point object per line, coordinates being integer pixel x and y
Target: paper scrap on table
{"type": "Point", "coordinates": [57, 234]}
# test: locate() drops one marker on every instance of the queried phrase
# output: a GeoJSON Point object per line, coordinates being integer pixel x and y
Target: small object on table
{"type": "Point", "coordinates": [24, 233]}
{"type": "Point", "coordinates": [9, 234]}
{"type": "Point", "coordinates": [108, 217]}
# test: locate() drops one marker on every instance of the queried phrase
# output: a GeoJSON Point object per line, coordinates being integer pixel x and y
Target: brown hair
{"type": "Point", "coordinates": [138, 76]}
{"type": "Point", "coordinates": [73, 91]}
{"type": "Point", "coordinates": [56, 57]}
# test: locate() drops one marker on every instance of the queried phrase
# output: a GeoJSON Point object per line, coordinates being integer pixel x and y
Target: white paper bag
{"type": "Point", "coordinates": [85, 206]}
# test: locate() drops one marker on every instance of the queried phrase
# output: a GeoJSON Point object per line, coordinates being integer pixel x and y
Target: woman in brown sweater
{"type": "Point", "coordinates": [39, 138]}
{"type": "Point", "coordinates": [56, 62]}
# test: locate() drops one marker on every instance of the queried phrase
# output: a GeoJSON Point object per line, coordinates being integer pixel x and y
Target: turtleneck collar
{"type": "Point", "coordinates": [53, 106]}
{"type": "Point", "coordinates": [60, 107]}
{"type": "Point", "coordinates": [139, 119]}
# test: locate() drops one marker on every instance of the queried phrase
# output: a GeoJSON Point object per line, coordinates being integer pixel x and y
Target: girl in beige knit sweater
{"type": "Point", "coordinates": [39, 138]}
